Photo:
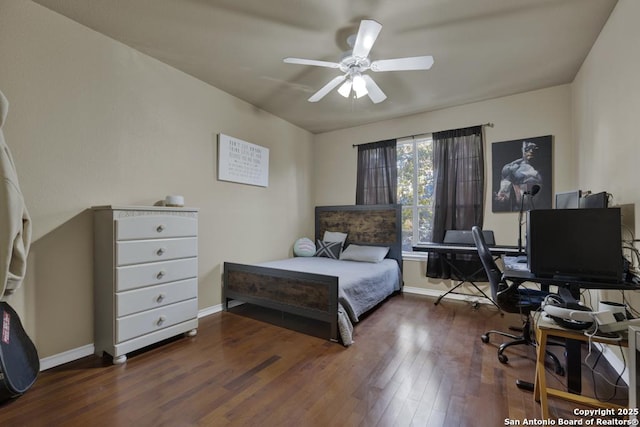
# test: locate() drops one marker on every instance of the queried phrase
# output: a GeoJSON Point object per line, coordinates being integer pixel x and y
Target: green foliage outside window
{"type": "Point", "coordinates": [415, 189]}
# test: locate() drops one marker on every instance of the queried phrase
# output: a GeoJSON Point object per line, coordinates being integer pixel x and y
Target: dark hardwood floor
{"type": "Point", "coordinates": [413, 363]}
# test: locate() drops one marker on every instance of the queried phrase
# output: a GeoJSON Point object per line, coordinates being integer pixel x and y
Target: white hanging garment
{"type": "Point", "coordinates": [15, 223]}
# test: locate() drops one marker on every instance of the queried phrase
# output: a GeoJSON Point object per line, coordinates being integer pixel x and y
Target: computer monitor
{"type": "Point", "coordinates": [584, 244]}
{"type": "Point", "coordinates": [597, 200]}
{"type": "Point", "coordinates": [568, 199]}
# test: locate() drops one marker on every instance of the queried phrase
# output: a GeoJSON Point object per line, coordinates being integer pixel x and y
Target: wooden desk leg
{"type": "Point", "coordinates": [540, 388]}
{"type": "Point", "coordinates": [536, 384]}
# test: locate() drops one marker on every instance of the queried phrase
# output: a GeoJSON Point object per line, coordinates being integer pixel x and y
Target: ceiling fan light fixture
{"type": "Point", "coordinates": [345, 89]}
{"type": "Point", "coordinates": [353, 83]}
{"type": "Point", "coordinates": [359, 86]}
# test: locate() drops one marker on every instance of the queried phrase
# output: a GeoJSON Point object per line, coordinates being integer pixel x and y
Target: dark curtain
{"type": "Point", "coordinates": [458, 164]}
{"type": "Point", "coordinates": [377, 180]}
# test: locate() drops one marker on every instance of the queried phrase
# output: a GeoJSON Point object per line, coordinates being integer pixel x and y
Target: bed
{"type": "Point", "coordinates": [329, 292]}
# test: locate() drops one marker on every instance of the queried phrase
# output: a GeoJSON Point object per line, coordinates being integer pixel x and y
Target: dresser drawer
{"type": "Point", "coordinates": [149, 321]}
{"type": "Point", "coordinates": [155, 227]}
{"type": "Point", "coordinates": [139, 300]}
{"type": "Point", "coordinates": [140, 251]}
{"type": "Point", "coordinates": [139, 275]}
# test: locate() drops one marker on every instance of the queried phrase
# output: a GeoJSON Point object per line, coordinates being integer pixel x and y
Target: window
{"type": "Point", "coordinates": [415, 188]}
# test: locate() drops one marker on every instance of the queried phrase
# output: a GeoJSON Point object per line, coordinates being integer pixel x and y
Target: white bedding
{"type": "Point", "coordinates": [361, 285]}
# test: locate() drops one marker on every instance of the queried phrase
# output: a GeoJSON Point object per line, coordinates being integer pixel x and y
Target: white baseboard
{"type": "Point", "coordinates": [217, 308]}
{"type": "Point", "coordinates": [89, 349]}
{"type": "Point", "coordinates": [209, 311]}
{"type": "Point", "coordinates": [66, 357]}
{"type": "Point", "coordinates": [436, 293]}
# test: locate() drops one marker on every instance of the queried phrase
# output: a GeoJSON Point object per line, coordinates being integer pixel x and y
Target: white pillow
{"type": "Point", "coordinates": [334, 236]}
{"type": "Point", "coordinates": [304, 247]}
{"type": "Point", "coordinates": [364, 253]}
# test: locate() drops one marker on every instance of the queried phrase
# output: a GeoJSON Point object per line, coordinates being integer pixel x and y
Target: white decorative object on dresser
{"type": "Point", "coordinates": [145, 276]}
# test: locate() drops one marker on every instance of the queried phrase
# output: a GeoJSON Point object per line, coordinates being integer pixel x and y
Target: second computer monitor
{"type": "Point", "coordinates": [568, 200]}
{"type": "Point", "coordinates": [596, 200]}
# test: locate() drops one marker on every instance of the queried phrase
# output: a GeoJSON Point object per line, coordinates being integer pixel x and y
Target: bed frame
{"type": "Point", "coordinates": [315, 296]}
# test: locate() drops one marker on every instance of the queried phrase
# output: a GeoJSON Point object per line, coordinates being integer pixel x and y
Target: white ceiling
{"type": "Point", "coordinates": [482, 48]}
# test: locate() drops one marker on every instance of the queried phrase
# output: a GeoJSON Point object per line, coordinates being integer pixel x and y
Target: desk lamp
{"type": "Point", "coordinates": [534, 190]}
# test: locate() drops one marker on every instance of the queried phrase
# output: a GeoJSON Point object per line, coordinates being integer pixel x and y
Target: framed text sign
{"type": "Point", "coordinates": [243, 162]}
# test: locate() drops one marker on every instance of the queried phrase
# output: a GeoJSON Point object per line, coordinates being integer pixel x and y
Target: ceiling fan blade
{"type": "Point", "coordinates": [327, 88]}
{"type": "Point", "coordinates": [403, 64]}
{"type": "Point", "coordinates": [302, 61]}
{"type": "Point", "coordinates": [367, 35]}
{"type": "Point", "coordinates": [373, 90]}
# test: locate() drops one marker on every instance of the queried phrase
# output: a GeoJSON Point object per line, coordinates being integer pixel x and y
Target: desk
{"type": "Point", "coordinates": [574, 284]}
{"type": "Point", "coordinates": [547, 328]}
{"type": "Point", "coordinates": [463, 249]}
{"type": "Point", "coordinates": [524, 275]}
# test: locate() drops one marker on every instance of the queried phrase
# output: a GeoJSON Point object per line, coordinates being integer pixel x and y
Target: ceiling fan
{"type": "Point", "coordinates": [356, 61]}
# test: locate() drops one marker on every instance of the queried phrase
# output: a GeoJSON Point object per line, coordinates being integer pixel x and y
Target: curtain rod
{"type": "Point", "coordinates": [489, 124]}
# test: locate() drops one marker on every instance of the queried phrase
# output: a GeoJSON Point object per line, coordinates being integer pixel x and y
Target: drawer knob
{"type": "Point", "coordinates": [160, 274]}
{"type": "Point", "coordinates": [160, 298]}
{"type": "Point", "coordinates": [160, 251]}
{"type": "Point", "coordinates": [161, 320]}
{"type": "Point", "coordinates": [160, 228]}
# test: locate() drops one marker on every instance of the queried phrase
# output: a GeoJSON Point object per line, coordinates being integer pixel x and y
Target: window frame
{"type": "Point", "coordinates": [415, 206]}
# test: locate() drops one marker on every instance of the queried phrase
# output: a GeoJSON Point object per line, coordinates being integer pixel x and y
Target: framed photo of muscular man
{"type": "Point", "coordinates": [522, 174]}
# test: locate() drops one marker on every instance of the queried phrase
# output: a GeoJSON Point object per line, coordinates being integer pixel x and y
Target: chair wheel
{"type": "Point", "coordinates": [485, 338]}
{"type": "Point", "coordinates": [502, 358]}
{"type": "Point", "coordinates": [560, 371]}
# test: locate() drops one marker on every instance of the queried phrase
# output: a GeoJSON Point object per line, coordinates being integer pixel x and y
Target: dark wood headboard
{"type": "Point", "coordinates": [379, 225]}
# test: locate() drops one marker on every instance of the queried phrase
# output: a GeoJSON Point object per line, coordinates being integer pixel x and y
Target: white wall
{"type": "Point", "coordinates": [538, 113]}
{"type": "Point", "coordinates": [94, 122]}
{"type": "Point", "coordinates": [606, 108]}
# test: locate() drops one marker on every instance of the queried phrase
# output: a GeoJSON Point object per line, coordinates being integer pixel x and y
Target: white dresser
{"type": "Point", "coordinates": [145, 276]}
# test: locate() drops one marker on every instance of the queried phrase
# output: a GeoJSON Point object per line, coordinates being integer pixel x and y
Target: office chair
{"type": "Point", "coordinates": [510, 297]}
